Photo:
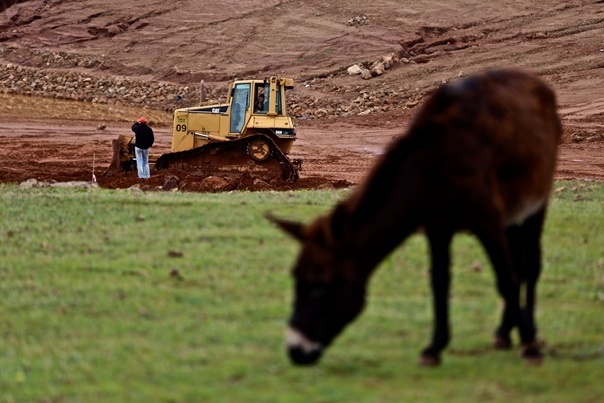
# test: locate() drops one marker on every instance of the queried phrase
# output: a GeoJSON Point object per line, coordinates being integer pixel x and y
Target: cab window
{"type": "Point", "coordinates": [239, 105]}
{"type": "Point", "coordinates": [261, 98]}
{"type": "Point", "coordinates": [279, 106]}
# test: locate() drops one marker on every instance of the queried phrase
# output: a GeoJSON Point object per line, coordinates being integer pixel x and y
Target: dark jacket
{"type": "Point", "coordinates": [143, 135]}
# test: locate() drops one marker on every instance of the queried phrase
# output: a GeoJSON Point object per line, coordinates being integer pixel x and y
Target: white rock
{"type": "Point", "coordinates": [355, 70]}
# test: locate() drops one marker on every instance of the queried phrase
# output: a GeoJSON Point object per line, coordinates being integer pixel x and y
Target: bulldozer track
{"type": "Point", "coordinates": [257, 155]}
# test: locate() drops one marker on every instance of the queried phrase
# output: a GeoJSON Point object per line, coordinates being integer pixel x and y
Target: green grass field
{"type": "Point", "coordinates": [122, 296]}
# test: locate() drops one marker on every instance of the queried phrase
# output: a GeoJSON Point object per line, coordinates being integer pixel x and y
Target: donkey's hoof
{"type": "Point", "coordinates": [429, 362]}
{"type": "Point", "coordinates": [502, 343]}
{"type": "Point", "coordinates": [531, 354]}
{"type": "Point", "coordinates": [533, 361]}
{"type": "Point", "coordinates": [429, 359]}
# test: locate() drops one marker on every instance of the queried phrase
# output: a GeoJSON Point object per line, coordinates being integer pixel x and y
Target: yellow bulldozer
{"type": "Point", "coordinates": [251, 132]}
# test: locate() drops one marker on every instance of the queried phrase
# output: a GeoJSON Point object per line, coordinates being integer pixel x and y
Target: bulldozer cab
{"type": "Point", "coordinates": [269, 97]}
{"type": "Point", "coordinates": [266, 97]}
{"type": "Point", "coordinates": [255, 98]}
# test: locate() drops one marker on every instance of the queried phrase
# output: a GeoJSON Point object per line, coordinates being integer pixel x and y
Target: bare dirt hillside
{"type": "Point", "coordinates": [61, 60]}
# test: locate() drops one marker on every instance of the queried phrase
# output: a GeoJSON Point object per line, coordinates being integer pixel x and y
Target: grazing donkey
{"type": "Point", "coordinates": [479, 157]}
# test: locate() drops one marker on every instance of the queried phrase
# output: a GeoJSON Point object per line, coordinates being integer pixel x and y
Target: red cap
{"type": "Point", "coordinates": [142, 120]}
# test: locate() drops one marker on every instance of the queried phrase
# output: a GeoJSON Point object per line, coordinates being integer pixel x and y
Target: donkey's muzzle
{"type": "Point", "coordinates": [300, 357]}
{"type": "Point", "coordinates": [302, 351]}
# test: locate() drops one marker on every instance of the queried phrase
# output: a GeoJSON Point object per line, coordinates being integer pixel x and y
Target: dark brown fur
{"type": "Point", "coordinates": [479, 157]}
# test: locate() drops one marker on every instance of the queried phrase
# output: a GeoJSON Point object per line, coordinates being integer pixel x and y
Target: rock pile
{"type": "Point", "coordinates": [89, 88]}
{"type": "Point", "coordinates": [377, 68]}
{"type": "Point", "coordinates": [382, 99]}
{"type": "Point", "coordinates": [63, 83]}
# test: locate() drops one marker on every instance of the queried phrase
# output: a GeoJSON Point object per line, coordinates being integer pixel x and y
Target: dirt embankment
{"type": "Point", "coordinates": [92, 63]}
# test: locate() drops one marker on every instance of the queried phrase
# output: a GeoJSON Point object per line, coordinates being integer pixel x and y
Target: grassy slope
{"type": "Point", "coordinates": [121, 296]}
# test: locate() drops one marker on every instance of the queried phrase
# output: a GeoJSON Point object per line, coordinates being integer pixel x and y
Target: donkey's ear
{"type": "Point", "coordinates": [293, 228]}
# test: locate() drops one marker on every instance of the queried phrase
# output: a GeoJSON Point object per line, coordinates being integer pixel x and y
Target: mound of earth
{"type": "Point", "coordinates": [170, 180]}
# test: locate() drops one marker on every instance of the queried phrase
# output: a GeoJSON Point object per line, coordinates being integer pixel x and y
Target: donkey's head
{"type": "Point", "coordinates": [330, 281]}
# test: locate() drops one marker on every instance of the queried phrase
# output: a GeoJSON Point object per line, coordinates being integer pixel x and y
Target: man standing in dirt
{"type": "Point", "coordinates": [143, 140]}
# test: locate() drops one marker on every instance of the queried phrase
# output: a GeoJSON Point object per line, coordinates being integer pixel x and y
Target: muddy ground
{"type": "Point", "coordinates": [336, 154]}
{"type": "Point", "coordinates": [317, 41]}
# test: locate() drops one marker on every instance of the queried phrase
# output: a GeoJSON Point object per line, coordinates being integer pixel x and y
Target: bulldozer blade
{"type": "Point", "coordinates": [123, 154]}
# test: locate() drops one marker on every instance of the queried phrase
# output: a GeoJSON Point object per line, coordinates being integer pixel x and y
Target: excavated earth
{"type": "Point", "coordinates": [74, 75]}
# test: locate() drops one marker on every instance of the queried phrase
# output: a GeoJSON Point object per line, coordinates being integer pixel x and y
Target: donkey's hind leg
{"type": "Point", "coordinates": [508, 249]}
{"type": "Point", "coordinates": [495, 242]}
{"type": "Point", "coordinates": [524, 242]}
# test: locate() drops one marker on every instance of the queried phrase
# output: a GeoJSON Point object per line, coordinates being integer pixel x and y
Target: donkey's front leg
{"type": "Point", "coordinates": [440, 280]}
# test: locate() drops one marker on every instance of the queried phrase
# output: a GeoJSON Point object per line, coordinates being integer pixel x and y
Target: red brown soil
{"type": "Point", "coordinates": [336, 154]}
{"type": "Point", "coordinates": [67, 150]}
{"type": "Point", "coordinates": [559, 40]}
